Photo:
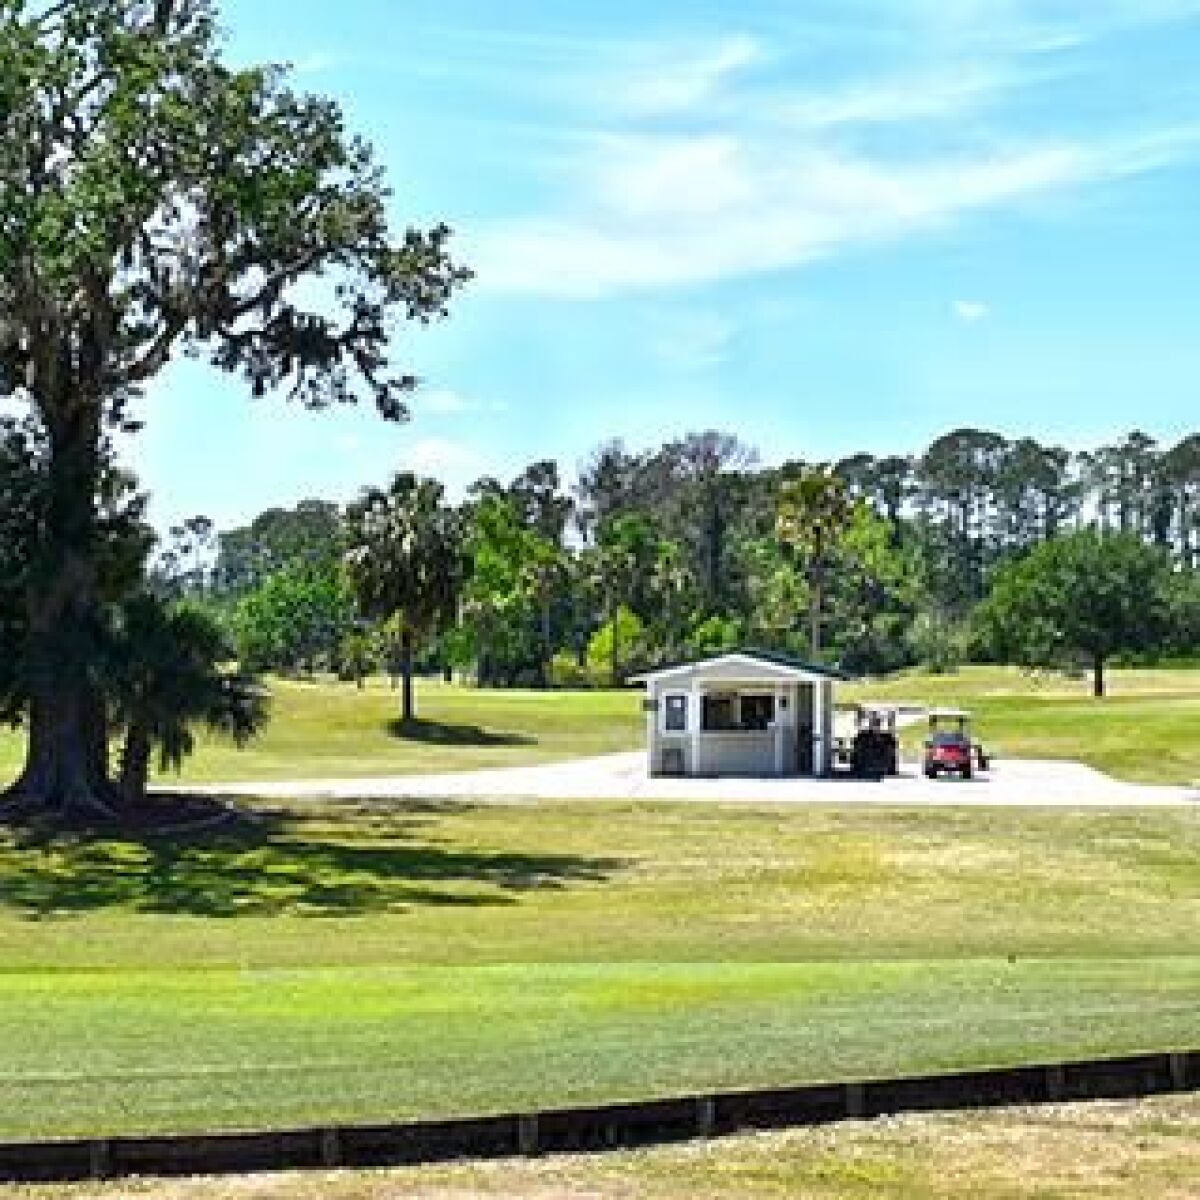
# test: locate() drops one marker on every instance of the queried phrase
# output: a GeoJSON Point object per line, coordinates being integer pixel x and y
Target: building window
{"type": "Point", "coordinates": [758, 712]}
{"type": "Point", "coordinates": [720, 711]}
{"type": "Point", "coordinates": [675, 714]}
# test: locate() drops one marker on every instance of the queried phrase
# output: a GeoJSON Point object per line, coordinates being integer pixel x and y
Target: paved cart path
{"type": "Point", "coordinates": [1016, 783]}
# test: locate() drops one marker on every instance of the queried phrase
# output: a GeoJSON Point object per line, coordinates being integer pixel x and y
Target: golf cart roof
{"type": "Point", "coordinates": [949, 714]}
{"type": "Point", "coordinates": [887, 706]}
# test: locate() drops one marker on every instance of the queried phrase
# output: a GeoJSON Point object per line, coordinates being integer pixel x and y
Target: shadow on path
{"type": "Point", "coordinates": [359, 859]}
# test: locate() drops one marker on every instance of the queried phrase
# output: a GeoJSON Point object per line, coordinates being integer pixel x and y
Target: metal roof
{"type": "Point", "coordinates": [773, 658]}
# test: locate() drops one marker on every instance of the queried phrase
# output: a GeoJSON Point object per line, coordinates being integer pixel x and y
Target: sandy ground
{"type": "Point", "coordinates": [1010, 784]}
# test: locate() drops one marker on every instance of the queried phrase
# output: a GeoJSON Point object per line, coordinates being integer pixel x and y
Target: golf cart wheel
{"type": "Point", "coordinates": [930, 773]}
{"type": "Point", "coordinates": [967, 772]}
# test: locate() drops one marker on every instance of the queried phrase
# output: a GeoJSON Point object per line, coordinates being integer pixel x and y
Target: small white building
{"type": "Point", "coordinates": [749, 713]}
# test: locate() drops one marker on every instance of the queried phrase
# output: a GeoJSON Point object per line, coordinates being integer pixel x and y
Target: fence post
{"type": "Point", "coordinates": [1179, 1071]}
{"type": "Point", "coordinates": [527, 1134]}
{"type": "Point", "coordinates": [331, 1148]}
{"type": "Point", "coordinates": [99, 1158]}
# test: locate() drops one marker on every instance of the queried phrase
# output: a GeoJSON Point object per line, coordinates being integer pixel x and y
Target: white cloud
{"type": "Point", "coordinates": [970, 311]}
{"type": "Point", "coordinates": [673, 81]}
{"type": "Point", "coordinates": [946, 93]}
{"type": "Point", "coordinates": [670, 213]}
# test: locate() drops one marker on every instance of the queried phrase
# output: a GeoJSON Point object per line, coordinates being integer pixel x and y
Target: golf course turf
{"type": "Point", "coordinates": [363, 962]}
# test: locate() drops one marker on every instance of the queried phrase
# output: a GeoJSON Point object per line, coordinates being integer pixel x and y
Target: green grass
{"type": "Point", "coordinates": [1145, 730]}
{"type": "Point", "coordinates": [380, 961]}
{"type": "Point", "coordinates": [334, 730]}
{"type": "Point", "coordinates": [1123, 1151]}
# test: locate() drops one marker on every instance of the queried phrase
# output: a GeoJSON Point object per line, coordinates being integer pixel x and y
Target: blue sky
{"type": "Point", "coordinates": [825, 225]}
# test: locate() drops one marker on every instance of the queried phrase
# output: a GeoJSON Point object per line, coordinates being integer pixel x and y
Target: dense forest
{"type": "Point", "coordinates": [871, 563]}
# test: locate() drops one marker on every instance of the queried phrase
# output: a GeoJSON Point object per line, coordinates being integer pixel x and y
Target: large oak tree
{"type": "Point", "coordinates": [156, 201]}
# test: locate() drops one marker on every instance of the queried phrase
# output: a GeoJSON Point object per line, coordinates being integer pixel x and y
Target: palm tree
{"type": "Point", "coordinates": [815, 510]}
{"type": "Point", "coordinates": [673, 584]}
{"type": "Point", "coordinates": [406, 562]}
{"type": "Point", "coordinates": [164, 666]}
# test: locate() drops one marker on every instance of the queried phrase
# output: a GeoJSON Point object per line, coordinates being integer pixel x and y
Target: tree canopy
{"type": "Point", "coordinates": [157, 201]}
{"type": "Point", "coordinates": [1082, 596]}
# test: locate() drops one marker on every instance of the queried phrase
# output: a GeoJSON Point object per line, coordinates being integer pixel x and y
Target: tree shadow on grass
{"type": "Point", "coordinates": [322, 863]}
{"type": "Point", "coordinates": [439, 733]}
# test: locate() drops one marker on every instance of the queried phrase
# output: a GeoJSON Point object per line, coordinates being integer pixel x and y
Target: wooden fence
{"type": "Point", "coordinates": [599, 1127]}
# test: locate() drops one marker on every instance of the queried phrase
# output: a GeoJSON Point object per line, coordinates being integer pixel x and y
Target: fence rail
{"type": "Point", "coordinates": [599, 1127]}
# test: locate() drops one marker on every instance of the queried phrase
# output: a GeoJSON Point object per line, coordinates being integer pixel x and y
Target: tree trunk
{"type": "Point", "coordinates": [615, 664]}
{"type": "Point", "coordinates": [63, 770]}
{"type": "Point", "coordinates": [814, 620]}
{"type": "Point", "coordinates": [814, 597]}
{"type": "Point", "coordinates": [135, 765]}
{"type": "Point", "coordinates": [406, 672]}
{"type": "Point", "coordinates": [66, 766]}
{"type": "Point", "coordinates": [547, 648]}
{"type": "Point", "coordinates": [1098, 676]}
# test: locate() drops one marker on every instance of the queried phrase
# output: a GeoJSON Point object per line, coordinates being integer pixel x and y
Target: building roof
{"type": "Point", "coordinates": [785, 663]}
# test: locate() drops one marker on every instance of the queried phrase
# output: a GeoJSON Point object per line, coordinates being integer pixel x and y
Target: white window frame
{"type": "Point", "coordinates": [682, 698]}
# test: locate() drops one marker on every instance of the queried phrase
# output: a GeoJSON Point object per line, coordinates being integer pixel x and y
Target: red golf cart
{"type": "Point", "coordinates": [949, 749]}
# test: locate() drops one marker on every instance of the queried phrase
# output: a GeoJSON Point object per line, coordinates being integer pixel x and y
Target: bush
{"type": "Point", "coordinates": [630, 647]}
{"type": "Point", "coordinates": [939, 643]}
{"type": "Point", "coordinates": [567, 672]}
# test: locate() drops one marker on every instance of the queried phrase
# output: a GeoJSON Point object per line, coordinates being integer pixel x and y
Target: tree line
{"type": "Point", "coordinates": [870, 563]}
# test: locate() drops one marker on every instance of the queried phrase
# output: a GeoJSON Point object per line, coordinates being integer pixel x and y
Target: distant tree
{"type": "Point", "coordinates": [673, 587]}
{"type": "Point", "coordinates": [295, 620]}
{"type": "Point", "coordinates": [619, 637]}
{"type": "Point", "coordinates": [625, 553]}
{"type": "Point", "coordinates": [1083, 595]}
{"type": "Point", "coordinates": [704, 476]}
{"type": "Point", "coordinates": [815, 511]}
{"type": "Point", "coordinates": [405, 562]}
{"type": "Point", "coordinates": [358, 655]}
{"type": "Point", "coordinates": [308, 535]}
{"type": "Point", "coordinates": [542, 504]}
{"type": "Point", "coordinates": [544, 575]}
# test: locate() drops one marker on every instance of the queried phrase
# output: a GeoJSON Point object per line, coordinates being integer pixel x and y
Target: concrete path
{"type": "Point", "coordinates": [1014, 783]}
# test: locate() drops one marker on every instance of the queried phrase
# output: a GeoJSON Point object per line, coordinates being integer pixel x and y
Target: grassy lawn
{"type": "Point", "coordinates": [379, 961]}
{"type": "Point", "coordinates": [334, 730]}
{"type": "Point", "coordinates": [1146, 730]}
{"type": "Point", "coordinates": [1071, 1152]}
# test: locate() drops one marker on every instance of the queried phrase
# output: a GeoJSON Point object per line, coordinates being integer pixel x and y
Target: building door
{"type": "Point", "coordinates": [805, 728]}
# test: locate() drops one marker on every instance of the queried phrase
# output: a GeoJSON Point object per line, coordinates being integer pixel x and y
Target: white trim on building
{"type": "Point", "coordinates": [742, 713]}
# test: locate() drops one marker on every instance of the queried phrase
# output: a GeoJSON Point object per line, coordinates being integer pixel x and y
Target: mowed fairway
{"type": "Point", "coordinates": [381, 961]}
{"type": "Point", "coordinates": [1126, 1151]}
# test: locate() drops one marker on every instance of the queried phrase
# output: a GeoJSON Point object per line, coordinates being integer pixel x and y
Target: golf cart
{"type": "Point", "coordinates": [949, 749]}
{"type": "Point", "coordinates": [875, 748]}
